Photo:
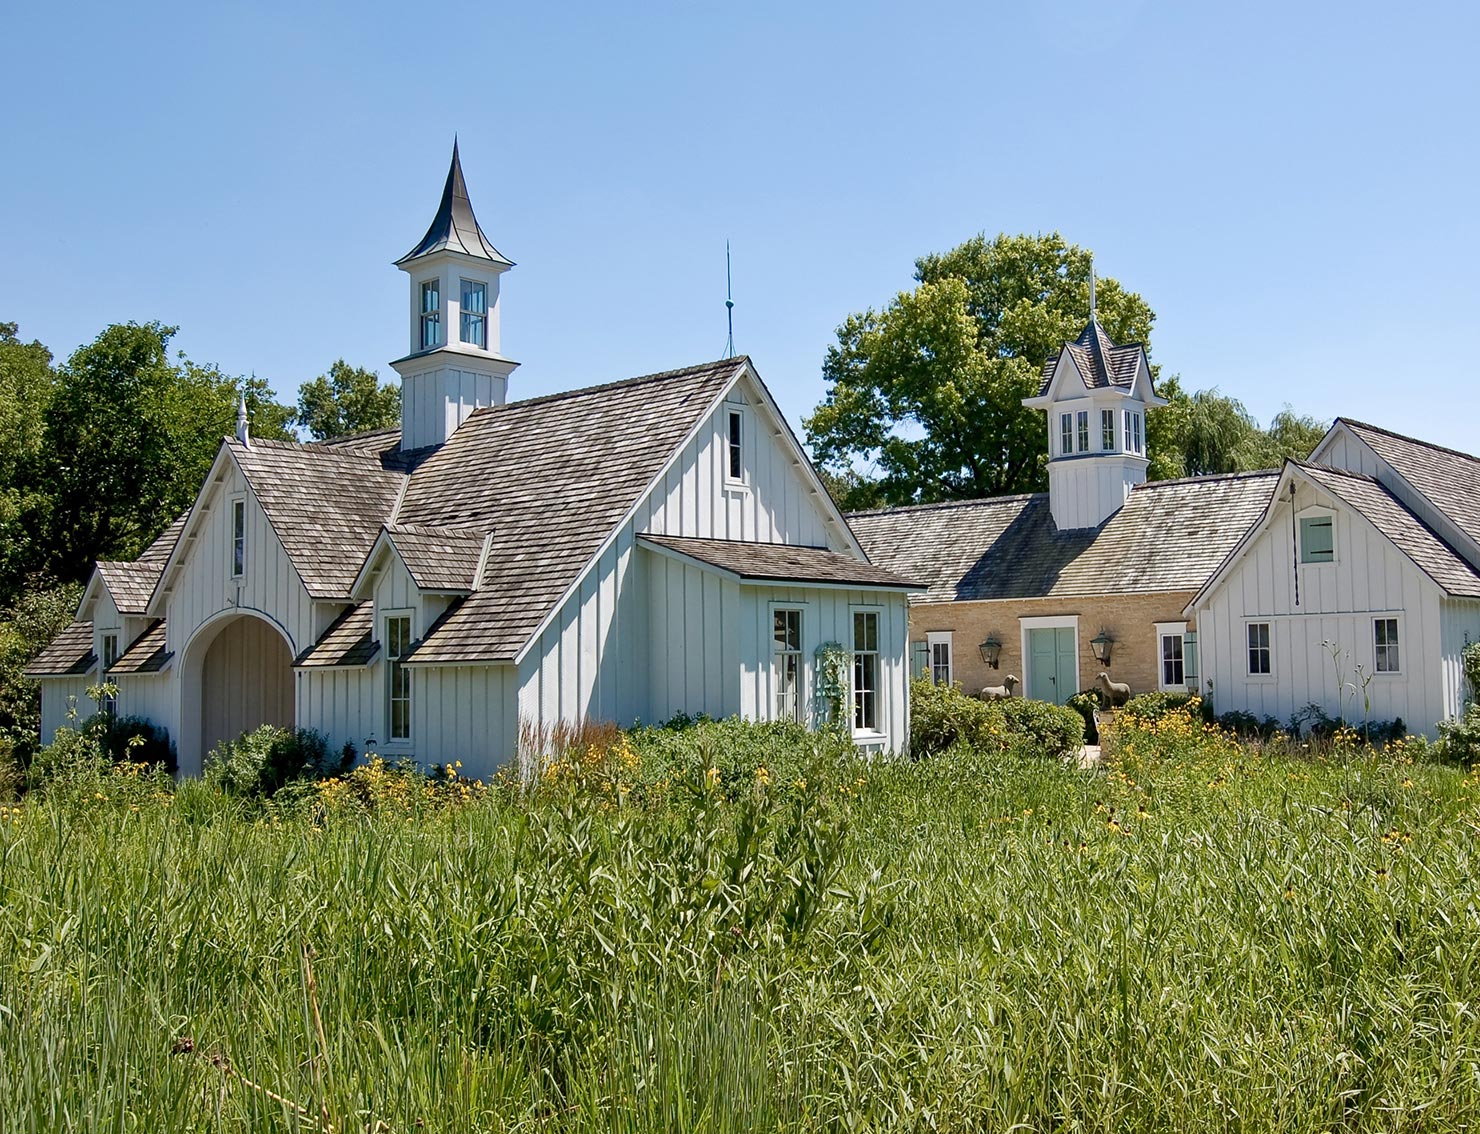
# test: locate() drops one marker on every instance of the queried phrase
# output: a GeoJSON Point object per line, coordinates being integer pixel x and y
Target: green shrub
{"type": "Point", "coordinates": [259, 763]}
{"type": "Point", "coordinates": [135, 740]}
{"type": "Point", "coordinates": [1085, 702]}
{"type": "Point", "coordinates": [1247, 725]}
{"type": "Point", "coordinates": [942, 716]}
{"type": "Point", "coordinates": [737, 750]}
{"type": "Point", "coordinates": [1147, 708]}
{"type": "Point", "coordinates": [1054, 730]}
{"type": "Point", "coordinates": [1459, 739]}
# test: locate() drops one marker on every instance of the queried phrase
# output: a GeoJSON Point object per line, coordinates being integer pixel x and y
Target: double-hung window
{"type": "Point", "coordinates": [1107, 429]}
{"type": "Point", "coordinates": [474, 308]}
{"type": "Point", "coordinates": [398, 677]}
{"type": "Point", "coordinates": [109, 703]}
{"type": "Point", "coordinates": [734, 446]}
{"type": "Point", "coordinates": [787, 663]}
{"type": "Point", "coordinates": [1172, 655]}
{"type": "Point", "coordinates": [238, 538]}
{"type": "Point", "coordinates": [1066, 433]}
{"type": "Point", "coordinates": [1317, 542]}
{"type": "Point", "coordinates": [865, 671]}
{"type": "Point", "coordinates": [1136, 433]}
{"type": "Point", "coordinates": [1082, 420]}
{"type": "Point", "coordinates": [1261, 658]}
{"type": "Point", "coordinates": [1385, 645]}
{"type": "Point", "coordinates": [431, 314]}
{"type": "Point", "coordinates": [939, 644]}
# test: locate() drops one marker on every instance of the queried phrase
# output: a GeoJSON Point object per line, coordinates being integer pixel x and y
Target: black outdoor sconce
{"type": "Point", "coordinates": [1101, 644]}
{"type": "Point", "coordinates": [991, 650]}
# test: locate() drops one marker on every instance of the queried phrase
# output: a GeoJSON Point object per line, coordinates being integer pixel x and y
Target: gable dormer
{"type": "Point", "coordinates": [1095, 394]}
{"type": "Point", "coordinates": [454, 366]}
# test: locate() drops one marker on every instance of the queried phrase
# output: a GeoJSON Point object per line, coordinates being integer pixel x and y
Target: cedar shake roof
{"type": "Point", "coordinates": [147, 653]}
{"type": "Point", "coordinates": [1100, 362]}
{"type": "Point", "coordinates": [132, 584]}
{"type": "Point", "coordinates": [348, 641]}
{"type": "Point", "coordinates": [326, 503]}
{"type": "Point", "coordinates": [69, 654]}
{"type": "Point", "coordinates": [455, 228]}
{"type": "Point", "coordinates": [1420, 543]}
{"type": "Point", "coordinates": [781, 563]}
{"type": "Point", "coordinates": [1448, 478]}
{"type": "Point", "coordinates": [1170, 536]}
{"type": "Point", "coordinates": [439, 559]}
{"type": "Point", "coordinates": [552, 477]}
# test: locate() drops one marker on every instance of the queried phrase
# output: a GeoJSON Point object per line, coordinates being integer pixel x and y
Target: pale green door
{"type": "Point", "coordinates": [1053, 674]}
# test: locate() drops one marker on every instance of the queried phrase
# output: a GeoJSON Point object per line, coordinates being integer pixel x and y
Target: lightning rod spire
{"type": "Point", "coordinates": [729, 307]}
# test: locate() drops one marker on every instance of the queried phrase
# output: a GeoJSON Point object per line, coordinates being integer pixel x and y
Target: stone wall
{"type": "Point", "coordinates": [1129, 619]}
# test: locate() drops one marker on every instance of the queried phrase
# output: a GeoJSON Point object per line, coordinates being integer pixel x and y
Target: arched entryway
{"type": "Point", "coordinates": [238, 676]}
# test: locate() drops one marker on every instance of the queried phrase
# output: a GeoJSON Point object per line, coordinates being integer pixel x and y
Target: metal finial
{"type": "Point", "coordinates": [242, 433]}
{"type": "Point", "coordinates": [1092, 315]}
{"type": "Point", "coordinates": [729, 306]}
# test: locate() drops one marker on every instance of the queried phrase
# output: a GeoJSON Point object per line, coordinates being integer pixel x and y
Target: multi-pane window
{"type": "Point", "coordinates": [109, 704]}
{"type": "Point", "coordinates": [1066, 433]}
{"type": "Point", "coordinates": [1173, 662]}
{"type": "Point", "coordinates": [1135, 432]}
{"type": "Point", "coordinates": [398, 677]}
{"type": "Point", "coordinates": [1126, 431]}
{"type": "Point", "coordinates": [787, 663]}
{"type": "Point", "coordinates": [1317, 544]}
{"type": "Point", "coordinates": [735, 467]}
{"type": "Point", "coordinates": [1107, 429]}
{"type": "Point", "coordinates": [431, 314]}
{"type": "Point", "coordinates": [1260, 658]}
{"type": "Point", "coordinates": [238, 538]}
{"type": "Point", "coordinates": [1082, 420]}
{"type": "Point", "coordinates": [865, 671]}
{"type": "Point", "coordinates": [1385, 645]}
{"type": "Point", "coordinates": [474, 308]}
{"type": "Point", "coordinates": [940, 658]}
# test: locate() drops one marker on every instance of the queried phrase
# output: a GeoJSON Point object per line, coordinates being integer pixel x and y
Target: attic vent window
{"type": "Point", "coordinates": [734, 447]}
{"type": "Point", "coordinates": [1317, 544]}
{"type": "Point", "coordinates": [238, 538]}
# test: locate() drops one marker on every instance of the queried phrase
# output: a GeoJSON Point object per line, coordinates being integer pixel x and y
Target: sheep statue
{"type": "Point", "coordinates": [1113, 694]}
{"type": "Point", "coordinates": [1000, 692]}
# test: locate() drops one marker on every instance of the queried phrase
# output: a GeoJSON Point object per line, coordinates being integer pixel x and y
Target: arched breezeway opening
{"type": "Point", "coordinates": [237, 675]}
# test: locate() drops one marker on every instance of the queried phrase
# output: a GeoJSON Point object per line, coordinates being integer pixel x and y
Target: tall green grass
{"type": "Point", "coordinates": [1200, 937]}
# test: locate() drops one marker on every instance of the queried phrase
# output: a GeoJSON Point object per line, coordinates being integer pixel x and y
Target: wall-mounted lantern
{"type": "Point", "coordinates": [991, 650]}
{"type": "Point", "coordinates": [1101, 644]}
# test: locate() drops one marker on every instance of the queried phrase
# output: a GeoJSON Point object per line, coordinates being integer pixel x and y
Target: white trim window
{"type": "Point", "coordinates": [1082, 421]}
{"type": "Point", "coordinates": [238, 537]}
{"type": "Point", "coordinates": [1261, 651]}
{"type": "Point", "coordinates": [1385, 651]}
{"type": "Point", "coordinates": [735, 446]}
{"type": "Point", "coordinates": [786, 661]}
{"type": "Point", "coordinates": [109, 703]}
{"type": "Point", "coordinates": [1066, 434]}
{"type": "Point", "coordinates": [473, 313]}
{"type": "Point", "coordinates": [1138, 448]}
{"type": "Point", "coordinates": [866, 685]}
{"type": "Point", "coordinates": [1318, 538]}
{"type": "Point", "coordinates": [431, 314]}
{"type": "Point", "coordinates": [938, 643]}
{"type": "Point", "coordinates": [1173, 666]}
{"type": "Point", "coordinates": [1107, 429]}
{"type": "Point", "coordinates": [398, 677]}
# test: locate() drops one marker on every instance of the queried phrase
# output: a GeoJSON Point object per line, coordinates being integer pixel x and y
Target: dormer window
{"type": "Point", "coordinates": [1107, 429]}
{"type": "Point", "coordinates": [1317, 539]}
{"type": "Point", "coordinates": [1066, 433]}
{"type": "Point", "coordinates": [431, 314]}
{"type": "Point", "coordinates": [474, 313]}
{"type": "Point", "coordinates": [238, 538]}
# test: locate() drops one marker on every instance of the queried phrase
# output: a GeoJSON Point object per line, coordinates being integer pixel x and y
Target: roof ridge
{"type": "Point", "coordinates": [579, 391]}
{"type": "Point", "coordinates": [979, 500]}
{"type": "Point", "coordinates": [1243, 474]}
{"type": "Point", "coordinates": [346, 438]}
{"type": "Point", "coordinates": [1412, 440]}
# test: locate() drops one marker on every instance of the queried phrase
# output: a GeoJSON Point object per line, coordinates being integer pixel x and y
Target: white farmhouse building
{"type": "Point", "coordinates": [625, 551]}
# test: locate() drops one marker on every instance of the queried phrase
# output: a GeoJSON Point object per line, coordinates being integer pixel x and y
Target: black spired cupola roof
{"type": "Point", "coordinates": [1101, 363]}
{"type": "Point", "coordinates": [455, 228]}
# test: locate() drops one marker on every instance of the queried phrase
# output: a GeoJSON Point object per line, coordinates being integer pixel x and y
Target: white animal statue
{"type": "Point", "coordinates": [1000, 692]}
{"type": "Point", "coordinates": [1113, 694]}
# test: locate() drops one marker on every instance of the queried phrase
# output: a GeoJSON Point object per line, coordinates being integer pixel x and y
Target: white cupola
{"type": "Point", "coordinates": [454, 366]}
{"type": "Point", "coordinates": [1096, 395]}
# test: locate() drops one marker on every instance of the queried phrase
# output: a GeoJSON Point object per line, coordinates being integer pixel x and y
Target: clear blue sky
{"type": "Point", "coordinates": [1292, 187]}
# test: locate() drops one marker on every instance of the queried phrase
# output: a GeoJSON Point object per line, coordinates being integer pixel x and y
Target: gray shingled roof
{"type": "Point", "coordinates": [348, 641]}
{"type": "Point", "coordinates": [552, 477]}
{"type": "Point", "coordinates": [455, 227]}
{"type": "Point", "coordinates": [1101, 363]}
{"type": "Point", "coordinates": [326, 503]}
{"type": "Point", "coordinates": [1448, 478]}
{"type": "Point", "coordinates": [69, 654]}
{"type": "Point", "coordinates": [776, 562]}
{"type": "Point", "coordinates": [439, 559]}
{"type": "Point", "coordinates": [1412, 536]}
{"type": "Point", "coordinates": [1169, 537]}
{"type": "Point", "coordinates": [132, 584]}
{"type": "Point", "coordinates": [146, 654]}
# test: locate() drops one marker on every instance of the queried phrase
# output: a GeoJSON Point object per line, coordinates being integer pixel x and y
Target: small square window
{"type": "Point", "coordinates": [1261, 657]}
{"type": "Point", "coordinates": [1385, 645]}
{"type": "Point", "coordinates": [1317, 542]}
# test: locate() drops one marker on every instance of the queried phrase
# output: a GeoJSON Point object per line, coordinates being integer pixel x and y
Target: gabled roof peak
{"type": "Point", "coordinates": [455, 228]}
{"type": "Point", "coordinates": [1101, 362]}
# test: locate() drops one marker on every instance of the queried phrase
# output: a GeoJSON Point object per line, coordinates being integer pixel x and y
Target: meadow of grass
{"type": "Point", "coordinates": [737, 929]}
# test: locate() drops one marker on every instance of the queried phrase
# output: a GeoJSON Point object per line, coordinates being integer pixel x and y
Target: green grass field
{"type": "Point", "coordinates": [1198, 937]}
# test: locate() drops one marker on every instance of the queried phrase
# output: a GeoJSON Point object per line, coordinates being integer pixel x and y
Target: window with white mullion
{"type": "Point", "coordinates": [1385, 646]}
{"type": "Point", "coordinates": [1261, 654]}
{"type": "Point", "coordinates": [786, 635]}
{"type": "Point", "coordinates": [431, 314]}
{"type": "Point", "coordinates": [1107, 429]}
{"type": "Point", "coordinates": [109, 703]}
{"type": "Point", "coordinates": [398, 677]}
{"type": "Point", "coordinates": [1082, 421]}
{"type": "Point", "coordinates": [1066, 433]}
{"type": "Point", "coordinates": [865, 671]}
{"type": "Point", "coordinates": [238, 538]}
{"type": "Point", "coordinates": [942, 671]}
{"type": "Point", "coordinates": [474, 313]}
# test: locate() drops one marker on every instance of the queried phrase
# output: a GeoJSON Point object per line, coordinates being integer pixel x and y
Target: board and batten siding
{"type": "Point", "coordinates": [1338, 603]}
{"type": "Point", "coordinates": [340, 703]}
{"type": "Point", "coordinates": [60, 698]}
{"type": "Point", "coordinates": [1460, 621]}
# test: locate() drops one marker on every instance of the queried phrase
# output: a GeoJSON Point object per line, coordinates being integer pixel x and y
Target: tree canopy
{"type": "Point", "coordinates": [925, 396]}
{"type": "Point", "coordinates": [1203, 433]}
{"type": "Point", "coordinates": [347, 400]}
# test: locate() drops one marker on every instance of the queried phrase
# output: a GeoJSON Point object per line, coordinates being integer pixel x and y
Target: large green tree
{"type": "Point", "coordinates": [347, 400]}
{"type": "Point", "coordinates": [26, 381]}
{"type": "Point", "coordinates": [924, 398]}
{"type": "Point", "coordinates": [1205, 433]}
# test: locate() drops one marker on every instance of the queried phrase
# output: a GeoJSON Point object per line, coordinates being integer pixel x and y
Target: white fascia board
{"type": "Point", "coordinates": [1241, 548]}
{"type": "Point", "coordinates": [371, 565]}
{"type": "Point", "coordinates": [224, 458]}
